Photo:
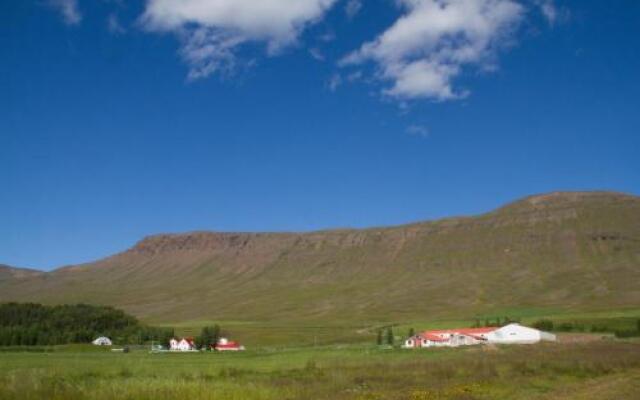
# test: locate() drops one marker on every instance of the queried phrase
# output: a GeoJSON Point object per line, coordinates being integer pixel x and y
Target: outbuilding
{"type": "Point", "coordinates": [225, 344]}
{"type": "Point", "coordinates": [518, 334]}
{"type": "Point", "coordinates": [102, 341]}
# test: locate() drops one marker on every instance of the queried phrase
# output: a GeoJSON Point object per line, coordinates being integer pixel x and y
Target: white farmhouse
{"type": "Point", "coordinates": [184, 344]}
{"type": "Point", "coordinates": [102, 341]}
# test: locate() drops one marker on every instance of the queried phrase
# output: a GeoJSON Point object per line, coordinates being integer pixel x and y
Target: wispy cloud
{"type": "Point", "coordinates": [423, 52]}
{"type": "Point", "coordinates": [553, 13]}
{"type": "Point", "coordinates": [114, 26]}
{"type": "Point", "coordinates": [352, 8]}
{"type": "Point", "coordinates": [337, 79]}
{"type": "Point", "coordinates": [549, 11]}
{"type": "Point", "coordinates": [69, 10]}
{"type": "Point", "coordinates": [418, 130]}
{"type": "Point", "coordinates": [334, 82]}
{"type": "Point", "coordinates": [317, 54]}
{"type": "Point", "coordinates": [212, 30]}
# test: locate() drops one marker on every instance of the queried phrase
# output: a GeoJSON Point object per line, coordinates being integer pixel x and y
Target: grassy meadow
{"type": "Point", "coordinates": [340, 361]}
{"type": "Point", "coordinates": [606, 369]}
{"type": "Point", "coordinates": [280, 334]}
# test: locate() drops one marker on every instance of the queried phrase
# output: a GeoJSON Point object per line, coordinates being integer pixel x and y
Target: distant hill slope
{"type": "Point", "coordinates": [562, 250]}
{"type": "Point", "coordinates": [7, 272]}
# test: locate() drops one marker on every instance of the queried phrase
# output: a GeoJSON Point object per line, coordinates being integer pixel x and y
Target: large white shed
{"type": "Point", "coordinates": [518, 334]}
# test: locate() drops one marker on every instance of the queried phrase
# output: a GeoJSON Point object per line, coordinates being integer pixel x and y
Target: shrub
{"type": "Point", "coordinates": [544, 325]}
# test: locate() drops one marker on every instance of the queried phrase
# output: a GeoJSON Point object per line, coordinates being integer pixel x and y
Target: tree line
{"type": "Point", "coordinates": [31, 324]}
{"type": "Point", "coordinates": [631, 330]}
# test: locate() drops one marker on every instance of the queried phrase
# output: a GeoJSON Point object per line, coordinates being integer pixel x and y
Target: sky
{"type": "Point", "coordinates": [122, 119]}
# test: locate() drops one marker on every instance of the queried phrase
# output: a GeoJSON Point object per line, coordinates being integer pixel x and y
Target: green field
{"type": "Point", "coordinates": [606, 369]}
{"type": "Point", "coordinates": [282, 335]}
{"type": "Point", "coordinates": [340, 361]}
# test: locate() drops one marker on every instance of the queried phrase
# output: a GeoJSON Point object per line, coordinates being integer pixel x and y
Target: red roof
{"type": "Point", "coordinates": [228, 345]}
{"type": "Point", "coordinates": [463, 331]}
{"type": "Point", "coordinates": [431, 337]}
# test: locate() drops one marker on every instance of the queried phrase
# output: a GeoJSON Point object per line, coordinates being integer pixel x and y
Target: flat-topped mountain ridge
{"type": "Point", "coordinates": [573, 250]}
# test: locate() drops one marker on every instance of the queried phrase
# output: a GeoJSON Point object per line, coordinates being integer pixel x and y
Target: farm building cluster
{"type": "Point", "coordinates": [184, 345]}
{"type": "Point", "coordinates": [188, 344]}
{"type": "Point", "coordinates": [508, 334]}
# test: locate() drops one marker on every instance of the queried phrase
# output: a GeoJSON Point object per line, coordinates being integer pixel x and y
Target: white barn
{"type": "Point", "coordinates": [102, 341]}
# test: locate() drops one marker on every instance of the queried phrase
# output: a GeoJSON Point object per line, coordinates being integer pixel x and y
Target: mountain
{"type": "Point", "coordinates": [12, 273]}
{"type": "Point", "coordinates": [574, 251]}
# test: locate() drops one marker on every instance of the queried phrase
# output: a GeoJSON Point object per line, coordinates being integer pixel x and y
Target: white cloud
{"type": "Point", "coordinates": [551, 12]}
{"type": "Point", "coordinates": [334, 82]}
{"type": "Point", "coordinates": [69, 10]}
{"type": "Point", "coordinates": [327, 37]}
{"type": "Point", "coordinates": [352, 8]}
{"type": "Point", "coordinates": [113, 24]}
{"type": "Point", "coordinates": [317, 54]}
{"type": "Point", "coordinates": [422, 53]}
{"type": "Point", "coordinates": [418, 130]}
{"type": "Point", "coordinates": [212, 30]}
{"type": "Point", "coordinates": [209, 51]}
{"type": "Point", "coordinates": [337, 80]}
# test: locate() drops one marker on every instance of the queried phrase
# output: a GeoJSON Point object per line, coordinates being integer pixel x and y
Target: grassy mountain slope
{"type": "Point", "coordinates": [572, 251]}
{"type": "Point", "coordinates": [10, 273]}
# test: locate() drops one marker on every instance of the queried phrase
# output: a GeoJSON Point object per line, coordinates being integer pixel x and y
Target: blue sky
{"type": "Point", "coordinates": [121, 119]}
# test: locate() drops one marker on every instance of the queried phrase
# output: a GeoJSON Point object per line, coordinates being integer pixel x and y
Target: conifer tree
{"type": "Point", "coordinates": [389, 336]}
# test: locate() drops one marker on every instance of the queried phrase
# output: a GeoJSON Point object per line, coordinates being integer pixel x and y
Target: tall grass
{"type": "Point", "coordinates": [354, 372]}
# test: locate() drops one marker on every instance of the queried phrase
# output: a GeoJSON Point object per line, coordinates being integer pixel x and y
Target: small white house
{"type": "Point", "coordinates": [184, 344]}
{"type": "Point", "coordinates": [102, 341]}
{"type": "Point", "coordinates": [518, 334]}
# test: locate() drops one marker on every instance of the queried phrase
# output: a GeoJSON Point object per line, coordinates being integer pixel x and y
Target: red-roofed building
{"type": "Point", "coordinates": [449, 337]}
{"type": "Point", "coordinates": [184, 344]}
{"type": "Point", "coordinates": [509, 334]}
{"type": "Point", "coordinates": [227, 345]}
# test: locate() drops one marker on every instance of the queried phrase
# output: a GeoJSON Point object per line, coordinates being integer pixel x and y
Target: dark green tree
{"type": "Point", "coordinates": [412, 332]}
{"type": "Point", "coordinates": [204, 340]}
{"type": "Point", "coordinates": [35, 324]}
{"type": "Point", "coordinates": [389, 336]}
{"type": "Point", "coordinates": [379, 338]}
{"type": "Point", "coordinates": [215, 335]}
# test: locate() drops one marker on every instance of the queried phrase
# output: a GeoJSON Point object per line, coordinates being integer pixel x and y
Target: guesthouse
{"type": "Point", "coordinates": [184, 344]}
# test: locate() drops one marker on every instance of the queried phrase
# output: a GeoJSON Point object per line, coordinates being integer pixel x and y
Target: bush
{"type": "Point", "coordinates": [627, 333]}
{"type": "Point", "coordinates": [544, 325]}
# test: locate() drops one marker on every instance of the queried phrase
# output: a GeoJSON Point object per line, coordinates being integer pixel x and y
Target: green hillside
{"type": "Point", "coordinates": [560, 251]}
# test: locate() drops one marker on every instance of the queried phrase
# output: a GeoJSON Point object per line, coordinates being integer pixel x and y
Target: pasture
{"type": "Point", "coordinates": [603, 369]}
